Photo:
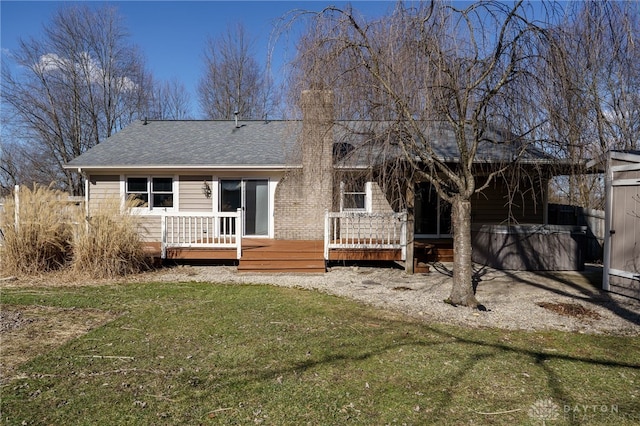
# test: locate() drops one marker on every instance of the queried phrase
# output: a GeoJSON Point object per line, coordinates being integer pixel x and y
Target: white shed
{"type": "Point", "coordinates": [621, 257]}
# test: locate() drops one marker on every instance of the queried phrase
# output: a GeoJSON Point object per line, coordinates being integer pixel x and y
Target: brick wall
{"type": "Point", "coordinates": [303, 195]}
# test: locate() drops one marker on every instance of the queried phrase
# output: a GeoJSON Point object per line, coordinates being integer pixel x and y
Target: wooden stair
{"type": "Point", "coordinates": [282, 256]}
{"type": "Point", "coordinates": [443, 254]}
{"type": "Point", "coordinates": [433, 251]}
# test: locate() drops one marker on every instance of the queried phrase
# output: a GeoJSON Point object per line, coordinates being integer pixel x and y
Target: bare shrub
{"type": "Point", "coordinates": [41, 241]}
{"type": "Point", "coordinates": [109, 245]}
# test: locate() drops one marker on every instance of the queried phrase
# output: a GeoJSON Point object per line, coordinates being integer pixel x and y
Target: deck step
{"type": "Point", "coordinates": [281, 265]}
{"type": "Point", "coordinates": [443, 254]}
{"type": "Point", "coordinates": [434, 251]}
{"type": "Point", "coordinates": [283, 256]}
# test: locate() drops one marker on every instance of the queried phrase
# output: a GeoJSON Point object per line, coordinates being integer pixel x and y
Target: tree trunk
{"type": "Point", "coordinates": [462, 292]}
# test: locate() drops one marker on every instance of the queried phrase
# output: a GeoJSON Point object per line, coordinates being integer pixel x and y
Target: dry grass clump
{"type": "Point", "coordinates": [109, 246]}
{"type": "Point", "coordinates": [54, 235]}
{"type": "Point", "coordinates": [41, 241]}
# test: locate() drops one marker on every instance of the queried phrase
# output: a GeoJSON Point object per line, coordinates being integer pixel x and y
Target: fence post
{"type": "Point", "coordinates": [16, 198]}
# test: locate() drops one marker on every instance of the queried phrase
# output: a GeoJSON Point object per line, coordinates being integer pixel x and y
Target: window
{"type": "Point", "coordinates": [137, 189]}
{"type": "Point", "coordinates": [157, 190]}
{"type": "Point", "coordinates": [355, 196]}
{"type": "Point", "coordinates": [162, 190]}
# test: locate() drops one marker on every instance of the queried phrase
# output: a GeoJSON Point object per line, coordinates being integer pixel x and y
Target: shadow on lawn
{"type": "Point", "coordinates": [586, 293]}
{"type": "Point", "coordinates": [439, 413]}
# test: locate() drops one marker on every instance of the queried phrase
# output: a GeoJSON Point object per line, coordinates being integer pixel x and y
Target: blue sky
{"type": "Point", "coordinates": [172, 34]}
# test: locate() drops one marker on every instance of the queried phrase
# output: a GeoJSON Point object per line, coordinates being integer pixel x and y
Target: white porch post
{"type": "Point", "coordinates": [327, 234]}
{"type": "Point", "coordinates": [163, 236]}
{"type": "Point", "coordinates": [403, 235]}
{"type": "Point", "coordinates": [239, 233]}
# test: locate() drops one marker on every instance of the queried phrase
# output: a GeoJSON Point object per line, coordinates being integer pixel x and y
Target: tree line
{"type": "Point", "coordinates": [84, 80]}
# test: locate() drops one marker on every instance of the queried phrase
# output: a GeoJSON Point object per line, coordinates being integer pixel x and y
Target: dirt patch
{"type": "Point", "coordinates": [570, 309]}
{"type": "Point", "coordinates": [29, 331]}
{"type": "Point", "coordinates": [13, 319]}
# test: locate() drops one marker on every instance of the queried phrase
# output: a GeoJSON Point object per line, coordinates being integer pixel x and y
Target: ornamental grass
{"type": "Point", "coordinates": [109, 244]}
{"type": "Point", "coordinates": [43, 231]}
{"type": "Point", "coordinates": [38, 231]}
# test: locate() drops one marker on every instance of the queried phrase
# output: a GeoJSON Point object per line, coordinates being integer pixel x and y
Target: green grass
{"type": "Point", "coordinates": [194, 353]}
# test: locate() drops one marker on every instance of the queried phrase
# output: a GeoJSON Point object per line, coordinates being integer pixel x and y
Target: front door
{"type": "Point", "coordinates": [252, 196]}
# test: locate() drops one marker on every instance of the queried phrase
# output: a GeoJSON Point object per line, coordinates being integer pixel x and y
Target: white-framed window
{"type": "Point", "coordinates": [152, 192]}
{"type": "Point", "coordinates": [355, 196]}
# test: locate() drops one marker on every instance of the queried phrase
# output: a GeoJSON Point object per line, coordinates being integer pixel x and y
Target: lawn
{"type": "Point", "coordinates": [194, 353]}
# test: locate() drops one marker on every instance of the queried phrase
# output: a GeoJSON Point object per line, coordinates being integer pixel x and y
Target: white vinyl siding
{"type": "Point", "coordinates": [193, 196]}
{"type": "Point", "coordinates": [103, 189]}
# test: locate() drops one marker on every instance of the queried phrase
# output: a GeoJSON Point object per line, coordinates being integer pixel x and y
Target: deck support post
{"type": "Point", "coordinates": [410, 227]}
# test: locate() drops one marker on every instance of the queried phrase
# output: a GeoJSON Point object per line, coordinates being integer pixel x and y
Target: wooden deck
{"type": "Point", "coordinates": [267, 255]}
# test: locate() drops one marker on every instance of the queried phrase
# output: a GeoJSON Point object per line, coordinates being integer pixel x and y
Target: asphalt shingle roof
{"type": "Point", "coordinates": [195, 143]}
{"type": "Point", "coordinates": [373, 144]}
{"type": "Point", "coordinates": [220, 144]}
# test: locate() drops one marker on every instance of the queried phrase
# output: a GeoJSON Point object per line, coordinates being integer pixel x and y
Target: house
{"type": "Point", "coordinates": [621, 258]}
{"type": "Point", "coordinates": [273, 194]}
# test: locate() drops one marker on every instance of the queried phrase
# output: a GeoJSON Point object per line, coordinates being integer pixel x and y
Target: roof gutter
{"type": "Point", "coordinates": [178, 167]}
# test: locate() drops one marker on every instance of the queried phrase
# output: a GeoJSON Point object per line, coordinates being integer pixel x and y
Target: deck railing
{"type": "Point", "coordinates": [222, 230]}
{"type": "Point", "coordinates": [359, 230]}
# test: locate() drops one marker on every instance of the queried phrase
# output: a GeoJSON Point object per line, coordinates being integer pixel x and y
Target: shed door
{"type": "Point", "coordinates": [624, 234]}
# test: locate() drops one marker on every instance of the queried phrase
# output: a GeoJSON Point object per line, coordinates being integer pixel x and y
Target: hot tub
{"type": "Point", "coordinates": [529, 247]}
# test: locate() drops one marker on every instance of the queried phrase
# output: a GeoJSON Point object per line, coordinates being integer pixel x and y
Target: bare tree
{"type": "Point", "coordinates": [170, 101]}
{"type": "Point", "coordinates": [9, 170]}
{"type": "Point", "coordinates": [593, 93]}
{"type": "Point", "coordinates": [80, 83]}
{"type": "Point", "coordinates": [431, 69]}
{"type": "Point", "coordinates": [234, 81]}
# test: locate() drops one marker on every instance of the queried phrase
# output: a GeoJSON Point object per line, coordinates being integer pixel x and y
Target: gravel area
{"type": "Point", "coordinates": [567, 301]}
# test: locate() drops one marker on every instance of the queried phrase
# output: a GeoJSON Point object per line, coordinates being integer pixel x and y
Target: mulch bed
{"type": "Point", "coordinates": [570, 310]}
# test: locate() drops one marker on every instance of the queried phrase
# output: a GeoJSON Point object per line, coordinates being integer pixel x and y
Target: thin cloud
{"type": "Point", "coordinates": [86, 65]}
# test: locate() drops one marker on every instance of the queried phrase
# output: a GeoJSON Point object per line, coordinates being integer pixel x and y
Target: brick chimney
{"type": "Point", "coordinates": [303, 196]}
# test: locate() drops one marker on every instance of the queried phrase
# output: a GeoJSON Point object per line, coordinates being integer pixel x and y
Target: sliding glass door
{"type": "Point", "coordinates": [432, 215]}
{"type": "Point", "coordinates": [252, 196]}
